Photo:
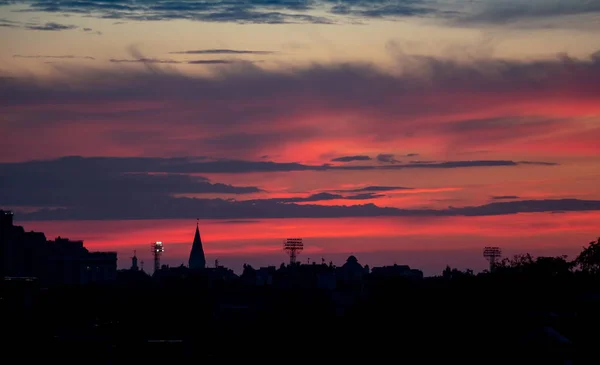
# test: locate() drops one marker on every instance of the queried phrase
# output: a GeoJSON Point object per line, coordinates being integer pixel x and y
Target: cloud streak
{"type": "Point", "coordinates": [186, 208]}
{"type": "Point", "coordinates": [51, 27]}
{"type": "Point", "coordinates": [351, 158]}
{"type": "Point", "coordinates": [55, 57]}
{"type": "Point", "coordinates": [196, 165]}
{"type": "Point", "coordinates": [375, 189]}
{"type": "Point", "coordinates": [144, 188]}
{"type": "Point", "coordinates": [224, 51]}
{"type": "Point", "coordinates": [167, 61]}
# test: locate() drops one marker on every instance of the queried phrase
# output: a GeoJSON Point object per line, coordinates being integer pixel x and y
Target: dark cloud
{"type": "Point", "coordinates": [387, 158]}
{"type": "Point", "coordinates": [167, 61]}
{"type": "Point", "coordinates": [142, 60]}
{"type": "Point", "coordinates": [322, 197]}
{"type": "Point", "coordinates": [538, 163]}
{"type": "Point", "coordinates": [223, 51]}
{"type": "Point", "coordinates": [74, 182]}
{"type": "Point", "coordinates": [527, 206]}
{"type": "Point", "coordinates": [505, 197]}
{"type": "Point", "coordinates": [374, 188]}
{"type": "Point", "coordinates": [239, 11]}
{"type": "Point", "coordinates": [256, 11]}
{"type": "Point", "coordinates": [57, 57]}
{"type": "Point", "coordinates": [197, 165]}
{"type": "Point", "coordinates": [9, 23]}
{"type": "Point", "coordinates": [187, 208]}
{"type": "Point", "coordinates": [381, 9]}
{"type": "Point", "coordinates": [303, 11]}
{"type": "Point", "coordinates": [497, 130]}
{"type": "Point", "coordinates": [505, 11]}
{"type": "Point", "coordinates": [51, 27]}
{"type": "Point", "coordinates": [212, 62]}
{"type": "Point", "coordinates": [351, 158]}
{"type": "Point", "coordinates": [139, 188]}
{"type": "Point", "coordinates": [198, 107]}
{"type": "Point", "coordinates": [412, 155]}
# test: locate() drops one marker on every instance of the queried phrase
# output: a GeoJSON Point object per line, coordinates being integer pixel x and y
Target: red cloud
{"type": "Point", "coordinates": [304, 114]}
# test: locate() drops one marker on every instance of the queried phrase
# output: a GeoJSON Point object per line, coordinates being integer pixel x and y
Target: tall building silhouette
{"type": "Point", "coordinates": [53, 262]}
{"type": "Point", "coordinates": [197, 259]}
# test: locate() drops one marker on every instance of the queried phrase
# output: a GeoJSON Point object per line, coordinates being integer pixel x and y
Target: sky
{"type": "Point", "coordinates": [401, 131]}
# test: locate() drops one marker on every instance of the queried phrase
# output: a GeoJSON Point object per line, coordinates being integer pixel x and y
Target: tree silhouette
{"type": "Point", "coordinates": [589, 259]}
{"type": "Point", "coordinates": [450, 273]}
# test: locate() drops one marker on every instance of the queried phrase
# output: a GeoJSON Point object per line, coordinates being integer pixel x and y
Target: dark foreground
{"type": "Point", "coordinates": [475, 319]}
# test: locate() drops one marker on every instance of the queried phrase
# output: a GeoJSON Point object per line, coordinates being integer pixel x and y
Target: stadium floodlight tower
{"type": "Point", "coordinates": [492, 254]}
{"type": "Point", "coordinates": [157, 250]}
{"type": "Point", "coordinates": [293, 246]}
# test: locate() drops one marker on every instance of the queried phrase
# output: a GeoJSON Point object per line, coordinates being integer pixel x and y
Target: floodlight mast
{"type": "Point", "coordinates": [492, 254]}
{"type": "Point", "coordinates": [157, 250]}
{"type": "Point", "coordinates": [293, 246]}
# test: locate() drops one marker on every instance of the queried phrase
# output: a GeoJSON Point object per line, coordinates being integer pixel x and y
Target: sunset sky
{"type": "Point", "coordinates": [409, 131]}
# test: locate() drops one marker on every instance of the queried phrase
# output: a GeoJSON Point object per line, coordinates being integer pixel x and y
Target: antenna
{"type": "Point", "coordinates": [492, 254]}
{"type": "Point", "coordinates": [293, 246]}
{"type": "Point", "coordinates": [157, 250]}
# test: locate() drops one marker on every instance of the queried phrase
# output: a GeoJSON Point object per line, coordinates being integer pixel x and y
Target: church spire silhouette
{"type": "Point", "coordinates": [197, 259]}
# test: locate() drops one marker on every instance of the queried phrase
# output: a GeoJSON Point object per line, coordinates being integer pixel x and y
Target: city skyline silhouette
{"type": "Point", "coordinates": [202, 180]}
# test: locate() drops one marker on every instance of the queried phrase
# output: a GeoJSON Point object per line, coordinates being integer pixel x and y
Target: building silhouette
{"type": "Point", "coordinates": [197, 259]}
{"type": "Point", "coordinates": [52, 262]}
{"type": "Point", "coordinates": [134, 262]}
{"type": "Point", "coordinates": [396, 271]}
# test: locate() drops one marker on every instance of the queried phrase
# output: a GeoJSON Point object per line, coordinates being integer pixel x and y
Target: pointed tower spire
{"type": "Point", "coordinates": [197, 259]}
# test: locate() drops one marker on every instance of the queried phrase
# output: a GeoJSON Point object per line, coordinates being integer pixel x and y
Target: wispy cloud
{"type": "Point", "coordinates": [505, 197]}
{"type": "Point", "coordinates": [223, 51]}
{"type": "Point", "coordinates": [387, 158]}
{"type": "Point", "coordinates": [374, 188]}
{"type": "Point", "coordinates": [142, 60]}
{"type": "Point", "coordinates": [168, 61]}
{"type": "Point", "coordinates": [214, 62]}
{"type": "Point", "coordinates": [351, 158]}
{"type": "Point", "coordinates": [51, 27]}
{"type": "Point", "coordinates": [55, 57]}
